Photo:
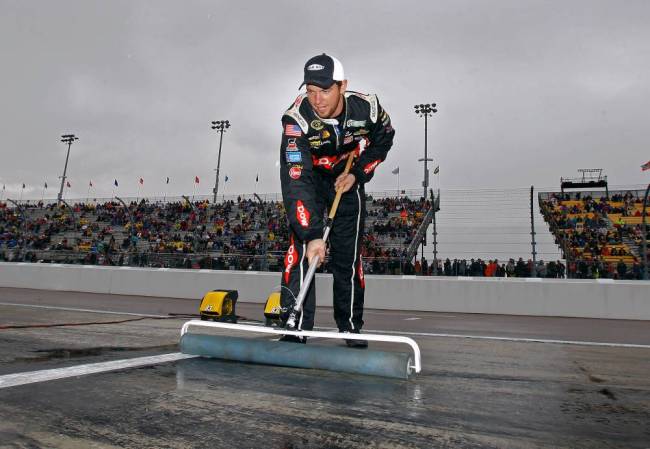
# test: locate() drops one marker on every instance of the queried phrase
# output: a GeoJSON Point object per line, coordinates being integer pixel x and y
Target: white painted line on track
{"type": "Point", "coordinates": [487, 337]}
{"type": "Point", "coordinates": [514, 339]}
{"type": "Point", "coordinates": [397, 313]}
{"type": "Point", "coordinates": [73, 309]}
{"type": "Point", "coordinates": [13, 380]}
{"type": "Point", "coordinates": [412, 319]}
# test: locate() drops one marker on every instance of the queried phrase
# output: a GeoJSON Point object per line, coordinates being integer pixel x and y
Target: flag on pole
{"type": "Point", "coordinates": [23, 185]}
{"type": "Point", "coordinates": [396, 171]}
{"type": "Point", "coordinates": [90, 184]}
{"type": "Point", "coordinates": [437, 170]}
{"type": "Point", "coordinates": [45, 185]}
{"type": "Point", "coordinates": [257, 178]}
{"type": "Point", "coordinates": [167, 180]}
{"type": "Point", "coordinates": [645, 166]}
{"type": "Point", "coordinates": [141, 181]}
{"type": "Point", "coordinates": [67, 184]}
{"type": "Point", "coordinates": [196, 179]}
{"type": "Point", "coordinates": [226, 180]}
{"type": "Point", "coordinates": [115, 182]}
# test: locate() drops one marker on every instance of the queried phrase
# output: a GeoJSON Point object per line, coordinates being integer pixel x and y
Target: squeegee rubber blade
{"type": "Point", "coordinates": [333, 358]}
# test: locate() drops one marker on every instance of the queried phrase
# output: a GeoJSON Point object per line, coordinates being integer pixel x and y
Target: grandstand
{"type": "Point", "coordinates": [238, 234]}
{"type": "Point", "coordinates": [600, 233]}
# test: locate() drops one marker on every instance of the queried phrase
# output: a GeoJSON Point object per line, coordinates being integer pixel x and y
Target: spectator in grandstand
{"type": "Point", "coordinates": [322, 129]}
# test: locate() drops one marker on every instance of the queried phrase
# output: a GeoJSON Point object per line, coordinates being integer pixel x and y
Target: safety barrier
{"type": "Point", "coordinates": [603, 298]}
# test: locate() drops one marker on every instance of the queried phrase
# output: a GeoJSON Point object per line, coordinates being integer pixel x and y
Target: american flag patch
{"type": "Point", "coordinates": [292, 130]}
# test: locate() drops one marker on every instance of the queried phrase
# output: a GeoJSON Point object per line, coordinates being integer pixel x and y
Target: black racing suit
{"type": "Point", "coordinates": [313, 153]}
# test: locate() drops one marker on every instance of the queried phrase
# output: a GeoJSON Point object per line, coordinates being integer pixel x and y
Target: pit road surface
{"type": "Point", "coordinates": [500, 390]}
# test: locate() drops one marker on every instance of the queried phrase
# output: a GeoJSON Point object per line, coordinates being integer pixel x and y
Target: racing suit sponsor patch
{"type": "Point", "coordinates": [355, 123]}
{"type": "Point", "coordinates": [326, 162]}
{"type": "Point", "coordinates": [316, 124]}
{"type": "Point", "coordinates": [302, 214]}
{"type": "Point", "coordinates": [362, 279]}
{"type": "Point", "coordinates": [371, 166]}
{"type": "Point", "coordinates": [295, 172]}
{"type": "Point", "coordinates": [289, 261]}
{"type": "Point", "coordinates": [294, 157]}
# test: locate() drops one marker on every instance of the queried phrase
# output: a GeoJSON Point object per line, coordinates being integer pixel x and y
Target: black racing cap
{"type": "Point", "coordinates": [323, 71]}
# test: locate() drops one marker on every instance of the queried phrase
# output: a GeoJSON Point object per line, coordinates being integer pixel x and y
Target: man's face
{"type": "Point", "coordinates": [326, 101]}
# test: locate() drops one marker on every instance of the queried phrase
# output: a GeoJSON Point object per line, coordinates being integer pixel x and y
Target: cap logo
{"type": "Point", "coordinates": [313, 67]}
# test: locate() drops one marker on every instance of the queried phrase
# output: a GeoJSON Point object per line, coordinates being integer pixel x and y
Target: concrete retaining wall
{"type": "Point", "coordinates": [542, 297]}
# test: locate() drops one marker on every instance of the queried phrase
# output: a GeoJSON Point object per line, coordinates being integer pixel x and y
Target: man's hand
{"type": "Point", "coordinates": [344, 182]}
{"type": "Point", "coordinates": [316, 248]}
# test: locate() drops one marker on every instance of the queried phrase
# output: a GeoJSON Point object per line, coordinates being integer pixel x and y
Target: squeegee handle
{"type": "Point", "coordinates": [310, 275]}
{"type": "Point", "coordinates": [337, 198]}
{"type": "Point", "coordinates": [316, 260]}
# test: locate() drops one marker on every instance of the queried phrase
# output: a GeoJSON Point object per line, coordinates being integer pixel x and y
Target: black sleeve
{"type": "Point", "coordinates": [296, 178]}
{"type": "Point", "coordinates": [380, 140]}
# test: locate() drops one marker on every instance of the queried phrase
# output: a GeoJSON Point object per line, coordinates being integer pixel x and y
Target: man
{"type": "Point", "coordinates": [325, 126]}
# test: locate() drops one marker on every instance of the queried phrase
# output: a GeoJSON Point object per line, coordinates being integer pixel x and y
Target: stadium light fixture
{"type": "Point", "coordinates": [220, 126]}
{"type": "Point", "coordinates": [65, 138]}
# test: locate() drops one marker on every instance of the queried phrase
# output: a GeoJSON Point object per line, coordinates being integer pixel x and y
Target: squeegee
{"type": "Point", "coordinates": [312, 356]}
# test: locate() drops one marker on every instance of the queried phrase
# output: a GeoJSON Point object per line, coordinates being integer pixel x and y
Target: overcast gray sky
{"type": "Point", "coordinates": [528, 91]}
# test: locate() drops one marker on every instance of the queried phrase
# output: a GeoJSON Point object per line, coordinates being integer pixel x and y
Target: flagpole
{"type": "Point", "coordinates": [88, 194]}
{"type": "Point", "coordinates": [43, 194]}
{"type": "Point", "coordinates": [398, 184]}
{"type": "Point", "coordinates": [21, 193]}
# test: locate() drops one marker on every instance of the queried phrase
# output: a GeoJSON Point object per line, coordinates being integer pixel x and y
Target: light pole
{"type": "Point", "coordinates": [221, 126]}
{"type": "Point", "coordinates": [66, 138]}
{"type": "Point", "coordinates": [426, 111]}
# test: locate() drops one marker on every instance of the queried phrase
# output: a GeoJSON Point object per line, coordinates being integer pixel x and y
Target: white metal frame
{"type": "Point", "coordinates": [417, 365]}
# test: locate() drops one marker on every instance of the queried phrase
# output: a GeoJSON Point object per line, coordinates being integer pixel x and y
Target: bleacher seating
{"type": "Point", "coordinates": [242, 234]}
{"type": "Point", "coordinates": [599, 236]}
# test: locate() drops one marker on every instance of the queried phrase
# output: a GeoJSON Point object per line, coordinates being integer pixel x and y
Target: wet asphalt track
{"type": "Point", "coordinates": [472, 392]}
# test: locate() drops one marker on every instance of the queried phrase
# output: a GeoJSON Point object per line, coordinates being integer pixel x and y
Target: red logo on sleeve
{"type": "Point", "coordinates": [302, 214]}
{"type": "Point", "coordinates": [371, 166]}
{"type": "Point", "coordinates": [295, 172]}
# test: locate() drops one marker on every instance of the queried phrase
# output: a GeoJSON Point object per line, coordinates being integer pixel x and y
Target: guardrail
{"type": "Point", "coordinates": [602, 298]}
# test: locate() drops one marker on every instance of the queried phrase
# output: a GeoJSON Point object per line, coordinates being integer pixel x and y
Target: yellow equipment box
{"type": "Point", "coordinates": [272, 310]}
{"type": "Point", "coordinates": [219, 305]}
